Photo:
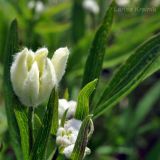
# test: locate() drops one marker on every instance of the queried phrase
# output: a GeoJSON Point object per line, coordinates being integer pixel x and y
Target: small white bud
{"type": "Point", "coordinates": [64, 105]}
{"type": "Point", "coordinates": [91, 6]}
{"type": "Point", "coordinates": [59, 61]}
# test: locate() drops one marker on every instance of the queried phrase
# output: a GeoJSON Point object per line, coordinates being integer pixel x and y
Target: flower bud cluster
{"type": "Point", "coordinates": [67, 136]}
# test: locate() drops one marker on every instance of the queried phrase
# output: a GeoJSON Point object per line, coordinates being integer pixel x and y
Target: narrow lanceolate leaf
{"type": "Point", "coordinates": [83, 100]}
{"type": "Point", "coordinates": [95, 58]}
{"type": "Point", "coordinates": [10, 50]}
{"type": "Point", "coordinates": [130, 74]}
{"type": "Point", "coordinates": [153, 68]}
{"type": "Point", "coordinates": [40, 144]}
{"type": "Point", "coordinates": [22, 121]}
{"type": "Point", "coordinates": [82, 139]}
{"type": "Point", "coordinates": [55, 116]}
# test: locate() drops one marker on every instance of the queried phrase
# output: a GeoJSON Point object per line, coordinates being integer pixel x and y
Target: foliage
{"type": "Point", "coordinates": [114, 61]}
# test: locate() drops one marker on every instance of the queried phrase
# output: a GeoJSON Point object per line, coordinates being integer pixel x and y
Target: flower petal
{"type": "Point", "coordinates": [31, 87]}
{"type": "Point", "coordinates": [19, 71]}
{"type": "Point", "coordinates": [62, 106]}
{"type": "Point", "coordinates": [47, 81]}
{"type": "Point", "coordinates": [40, 57]}
{"type": "Point", "coordinates": [59, 61]}
{"type": "Point", "coordinates": [68, 151]}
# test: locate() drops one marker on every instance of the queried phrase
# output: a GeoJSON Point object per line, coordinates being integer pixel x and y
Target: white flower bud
{"type": "Point", "coordinates": [59, 61]}
{"type": "Point", "coordinates": [91, 6]}
{"type": "Point", "coordinates": [67, 136]}
{"type": "Point", "coordinates": [64, 105]}
{"type": "Point", "coordinates": [33, 76]}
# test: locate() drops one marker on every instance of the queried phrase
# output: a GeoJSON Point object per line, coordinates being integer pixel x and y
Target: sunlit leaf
{"type": "Point", "coordinates": [130, 74]}
{"type": "Point", "coordinates": [83, 100]}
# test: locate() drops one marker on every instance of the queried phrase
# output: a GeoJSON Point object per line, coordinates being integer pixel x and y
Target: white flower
{"type": "Point", "coordinates": [33, 75]}
{"type": "Point", "coordinates": [67, 135]}
{"type": "Point", "coordinates": [122, 2]}
{"type": "Point", "coordinates": [38, 5]}
{"type": "Point", "coordinates": [64, 105]}
{"type": "Point", "coordinates": [68, 151]}
{"type": "Point", "coordinates": [31, 4]}
{"type": "Point", "coordinates": [91, 6]}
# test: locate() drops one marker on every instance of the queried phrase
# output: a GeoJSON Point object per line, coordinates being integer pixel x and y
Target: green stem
{"type": "Point", "coordinates": [30, 126]}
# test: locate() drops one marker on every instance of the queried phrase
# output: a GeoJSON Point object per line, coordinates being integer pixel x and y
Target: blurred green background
{"type": "Point", "coordinates": [129, 131]}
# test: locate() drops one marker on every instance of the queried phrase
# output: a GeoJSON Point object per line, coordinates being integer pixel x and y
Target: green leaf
{"type": "Point", "coordinates": [37, 124]}
{"type": "Point", "coordinates": [64, 118]}
{"type": "Point", "coordinates": [78, 21]}
{"type": "Point", "coordinates": [83, 100]}
{"type": "Point", "coordinates": [153, 68]}
{"type": "Point", "coordinates": [22, 120]}
{"type": "Point", "coordinates": [55, 119]}
{"type": "Point", "coordinates": [10, 99]}
{"type": "Point", "coordinates": [130, 74]}
{"type": "Point", "coordinates": [82, 139]}
{"type": "Point", "coordinates": [52, 10]}
{"type": "Point", "coordinates": [40, 144]}
{"type": "Point", "coordinates": [119, 51]}
{"type": "Point", "coordinates": [95, 58]}
{"type": "Point", "coordinates": [145, 105]}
